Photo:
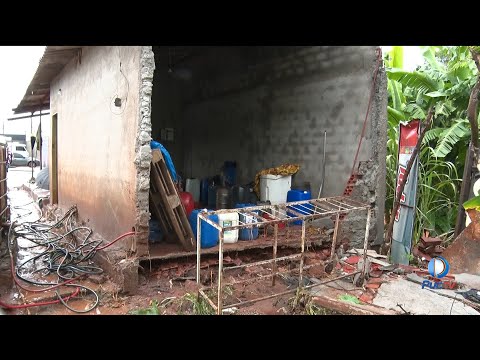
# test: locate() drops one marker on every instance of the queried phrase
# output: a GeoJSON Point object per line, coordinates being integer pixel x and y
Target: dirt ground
{"type": "Point", "coordinates": [169, 288]}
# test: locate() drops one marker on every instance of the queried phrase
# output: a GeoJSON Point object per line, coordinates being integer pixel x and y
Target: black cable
{"type": "Point", "coordinates": [62, 256]}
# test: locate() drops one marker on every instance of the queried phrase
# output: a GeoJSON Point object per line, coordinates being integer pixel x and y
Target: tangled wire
{"type": "Point", "coordinates": [65, 258]}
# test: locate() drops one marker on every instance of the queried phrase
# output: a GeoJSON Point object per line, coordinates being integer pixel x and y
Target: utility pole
{"type": "Point", "coordinates": [32, 143]}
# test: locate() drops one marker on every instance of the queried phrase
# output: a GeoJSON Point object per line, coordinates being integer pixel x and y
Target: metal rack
{"type": "Point", "coordinates": [281, 213]}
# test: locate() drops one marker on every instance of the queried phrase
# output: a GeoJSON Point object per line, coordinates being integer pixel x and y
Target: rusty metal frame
{"type": "Point", "coordinates": [281, 213]}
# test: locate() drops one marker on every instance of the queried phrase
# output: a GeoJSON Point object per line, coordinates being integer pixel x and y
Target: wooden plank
{"type": "Point", "coordinates": [156, 155]}
{"type": "Point", "coordinates": [182, 218]}
{"type": "Point", "coordinates": [157, 206]}
{"type": "Point", "coordinates": [181, 215]}
{"type": "Point", "coordinates": [350, 308]}
{"type": "Point", "coordinates": [174, 210]}
{"type": "Point", "coordinates": [173, 200]}
{"type": "Point", "coordinates": [155, 201]}
{"type": "Point", "coordinates": [166, 174]}
{"type": "Point", "coordinates": [169, 211]}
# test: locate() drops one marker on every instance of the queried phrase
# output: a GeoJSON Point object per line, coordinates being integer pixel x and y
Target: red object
{"type": "Point", "coordinates": [366, 297]}
{"type": "Point", "coordinates": [187, 201]}
{"type": "Point", "coordinates": [280, 225]}
{"type": "Point", "coordinates": [353, 260]}
{"type": "Point", "coordinates": [349, 269]}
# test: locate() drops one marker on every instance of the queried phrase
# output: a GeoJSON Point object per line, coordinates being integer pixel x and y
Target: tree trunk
{"type": "Point", "coordinates": [472, 111]}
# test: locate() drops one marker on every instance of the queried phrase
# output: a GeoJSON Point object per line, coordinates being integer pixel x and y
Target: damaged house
{"type": "Point", "coordinates": [259, 106]}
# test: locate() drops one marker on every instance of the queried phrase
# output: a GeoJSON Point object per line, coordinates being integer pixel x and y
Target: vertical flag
{"type": "Point", "coordinates": [404, 218]}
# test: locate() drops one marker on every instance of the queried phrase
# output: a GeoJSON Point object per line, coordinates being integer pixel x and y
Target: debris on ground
{"type": "Point", "coordinates": [472, 295]}
{"type": "Point", "coordinates": [169, 287]}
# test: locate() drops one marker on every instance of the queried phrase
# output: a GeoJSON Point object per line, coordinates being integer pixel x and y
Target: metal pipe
{"type": "Point", "coordinates": [208, 221]}
{"type": "Point", "coordinates": [199, 246]}
{"type": "Point", "coordinates": [274, 267]}
{"type": "Point", "coordinates": [335, 233]}
{"type": "Point", "coordinates": [342, 205]}
{"type": "Point", "coordinates": [26, 117]}
{"type": "Point", "coordinates": [263, 262]}
{"type": "Point", "coordinates": [323, 165]}
{"type": "Point", "coordinates": [220, 274]}
{"type": "Point", "coordinates": [300, 277]}
{"type": "Point", "coordinates": [32, 180]}
{"type": "Point", "coordinates": [274, 207]}
{"type": "Point", "coordinates": [292, 211]}
{"type": "Point", "coordinates": [259, 218]}
{"type": "Point", "coordinates": [260, 277]}
{"type": "Point", "coordinates": [365, 244]}
{"type": "Point", "coordinates": [289, 291]}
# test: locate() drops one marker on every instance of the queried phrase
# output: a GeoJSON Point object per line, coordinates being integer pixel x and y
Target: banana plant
{"type": "Point", "coordinates": [446, 80]}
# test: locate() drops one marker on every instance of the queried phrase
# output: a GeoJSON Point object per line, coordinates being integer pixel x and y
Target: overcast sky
{"type": "Point", "coordinates": [17, 67]}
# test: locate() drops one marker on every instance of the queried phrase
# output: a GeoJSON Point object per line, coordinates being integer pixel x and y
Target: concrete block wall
{"type": "Point", "coordinates": [277, 113]}
{"type": "Point", "coordinates": [266, 106]}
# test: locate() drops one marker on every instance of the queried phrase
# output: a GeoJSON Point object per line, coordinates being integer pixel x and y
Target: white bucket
{"type": "Point", "coordinates": [193, 187]}
{"type": "Point", "coordinates": [274, 188]}
{"type": "Point", "coordinates": [229, 219]}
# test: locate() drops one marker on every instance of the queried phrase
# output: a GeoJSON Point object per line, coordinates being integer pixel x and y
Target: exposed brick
{"type": "Point", "coordinates": [366, 297]}
{"type": "Point", "coordinates": [376, 280]}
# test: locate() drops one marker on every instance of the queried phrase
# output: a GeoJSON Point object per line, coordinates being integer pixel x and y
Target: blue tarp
{"type": "Point", "coordinates": [166, 155]}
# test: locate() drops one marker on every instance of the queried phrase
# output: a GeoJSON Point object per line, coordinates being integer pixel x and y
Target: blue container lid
{"type": "Point", "coordinates": [238, 206]}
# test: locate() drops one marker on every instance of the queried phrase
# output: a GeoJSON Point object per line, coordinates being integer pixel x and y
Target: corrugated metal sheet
{"type": "Point", "coordinates": [37, 96]}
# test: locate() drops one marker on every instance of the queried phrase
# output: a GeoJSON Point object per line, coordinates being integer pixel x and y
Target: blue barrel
{"type": "Point", "coordinates": [209, 235]}
{"type": "Point", "coordinates": [299, 195]}
{"type": "Point", "coordinates": [247, 234]}
{"type": "Point", "coordinates": [204, 191]}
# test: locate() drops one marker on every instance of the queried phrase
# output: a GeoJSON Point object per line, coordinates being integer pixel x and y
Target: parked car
{"type": "Point", "coordinates": [18, 148]}
{"type": "Point", "coordinates": [21, 160]}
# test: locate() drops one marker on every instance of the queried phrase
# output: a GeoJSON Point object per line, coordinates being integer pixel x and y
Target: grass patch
{"type": "Point", "coordinates": [153, 309]}
{"type": "Point", "coordinates": [194, 304]}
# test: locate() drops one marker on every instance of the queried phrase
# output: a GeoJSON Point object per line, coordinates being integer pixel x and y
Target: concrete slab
{"type": "Point", "coordinates": [419, 301]}
{"type": "Point", "coordinates": [469, 280]}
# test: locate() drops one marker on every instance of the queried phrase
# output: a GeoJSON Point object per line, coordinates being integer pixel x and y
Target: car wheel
{"type": "Point", "coordinates": [30, 163]}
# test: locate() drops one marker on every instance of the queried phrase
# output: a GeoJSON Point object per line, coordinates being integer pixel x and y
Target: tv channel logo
{"type": "Point", "coordinates": [438, 268]}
